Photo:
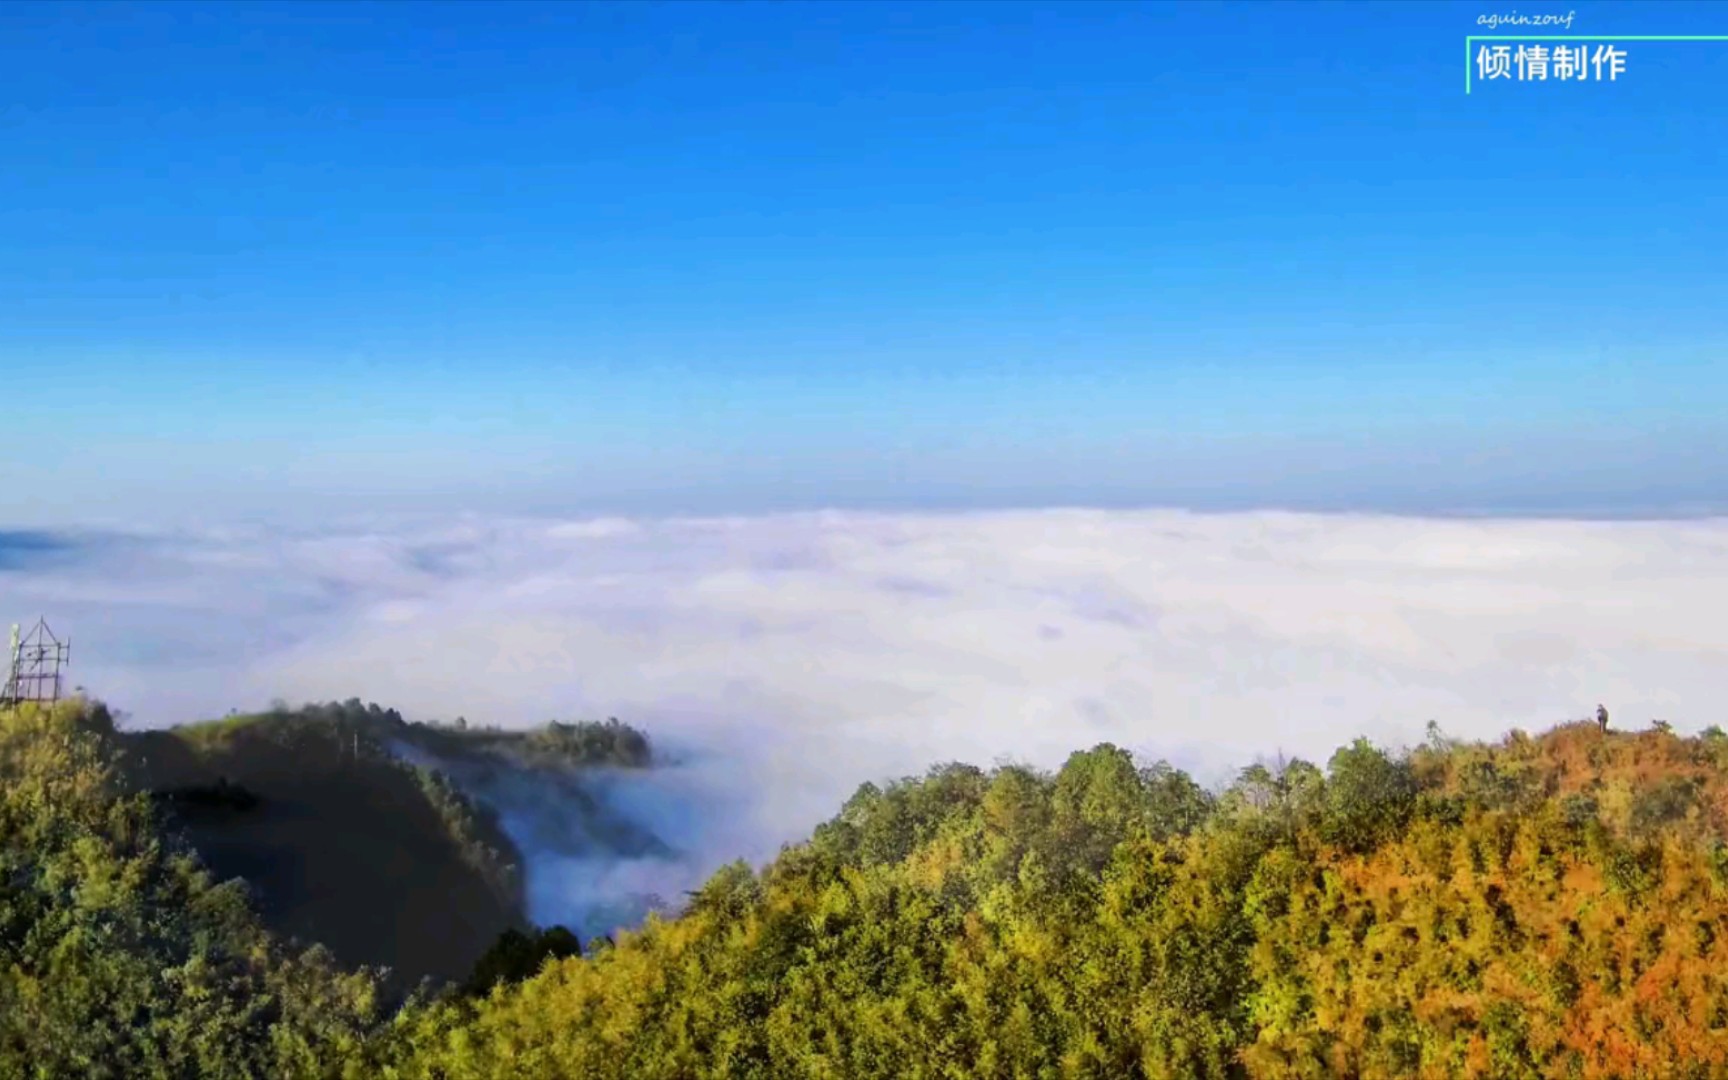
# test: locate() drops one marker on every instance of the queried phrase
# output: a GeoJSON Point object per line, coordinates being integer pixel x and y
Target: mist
{"type": "Point", "coordinates": [781, 660]}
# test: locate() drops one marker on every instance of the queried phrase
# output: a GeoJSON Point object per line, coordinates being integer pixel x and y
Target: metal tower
{"type": "Point", "coordinates": [34, 663]}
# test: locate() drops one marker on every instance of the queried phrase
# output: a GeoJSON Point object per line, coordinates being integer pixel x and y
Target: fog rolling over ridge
{"type": "Point", "coordinates": [602, 846]}
{"type": "Point", "coordinates": [782, 660]}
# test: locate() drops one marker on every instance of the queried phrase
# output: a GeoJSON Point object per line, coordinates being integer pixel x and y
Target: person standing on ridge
{"type": "Point", "coordinates": [1602, 718]}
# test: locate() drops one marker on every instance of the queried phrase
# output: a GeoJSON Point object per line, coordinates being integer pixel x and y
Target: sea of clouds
{"type": "Point", "coordinates": [787, 658]}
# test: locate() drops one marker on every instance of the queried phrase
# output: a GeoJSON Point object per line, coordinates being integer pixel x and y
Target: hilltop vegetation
{"type": "Point", "coordinates": [1545, 906]}
{"type": "Point", "coordinates": [1554, 906]}
{"type": "Point", "coordinates": [556, 745]}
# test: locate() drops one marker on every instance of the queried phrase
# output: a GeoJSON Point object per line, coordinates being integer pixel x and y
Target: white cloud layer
{"type": "Point", "coordinates": [801, 654]}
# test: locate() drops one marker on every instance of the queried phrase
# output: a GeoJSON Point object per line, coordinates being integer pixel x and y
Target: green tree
{"type": "Point", "coordinates": [1369, 796]}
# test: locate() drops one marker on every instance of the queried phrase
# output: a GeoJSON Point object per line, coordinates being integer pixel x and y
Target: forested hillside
{"type": "Point", "coordinates": [1546, 906]}
{"type": "Point", "coordinates": [121, 957]}
{"type": "Point", "coordinates": [346, 823]}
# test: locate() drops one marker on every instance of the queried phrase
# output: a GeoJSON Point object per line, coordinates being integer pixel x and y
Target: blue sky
{"type": "Point", "coordinates": [295, 259]}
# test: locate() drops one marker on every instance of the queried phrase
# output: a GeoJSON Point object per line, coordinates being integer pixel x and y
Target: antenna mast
{"type": "Point", "coordinates": [33, 666]}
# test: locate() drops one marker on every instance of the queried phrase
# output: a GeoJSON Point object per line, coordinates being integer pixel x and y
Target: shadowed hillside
{"type": "Point", "coordinates": [344, 842]}
{"type": "Point", "coordinates": [121, 957]}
